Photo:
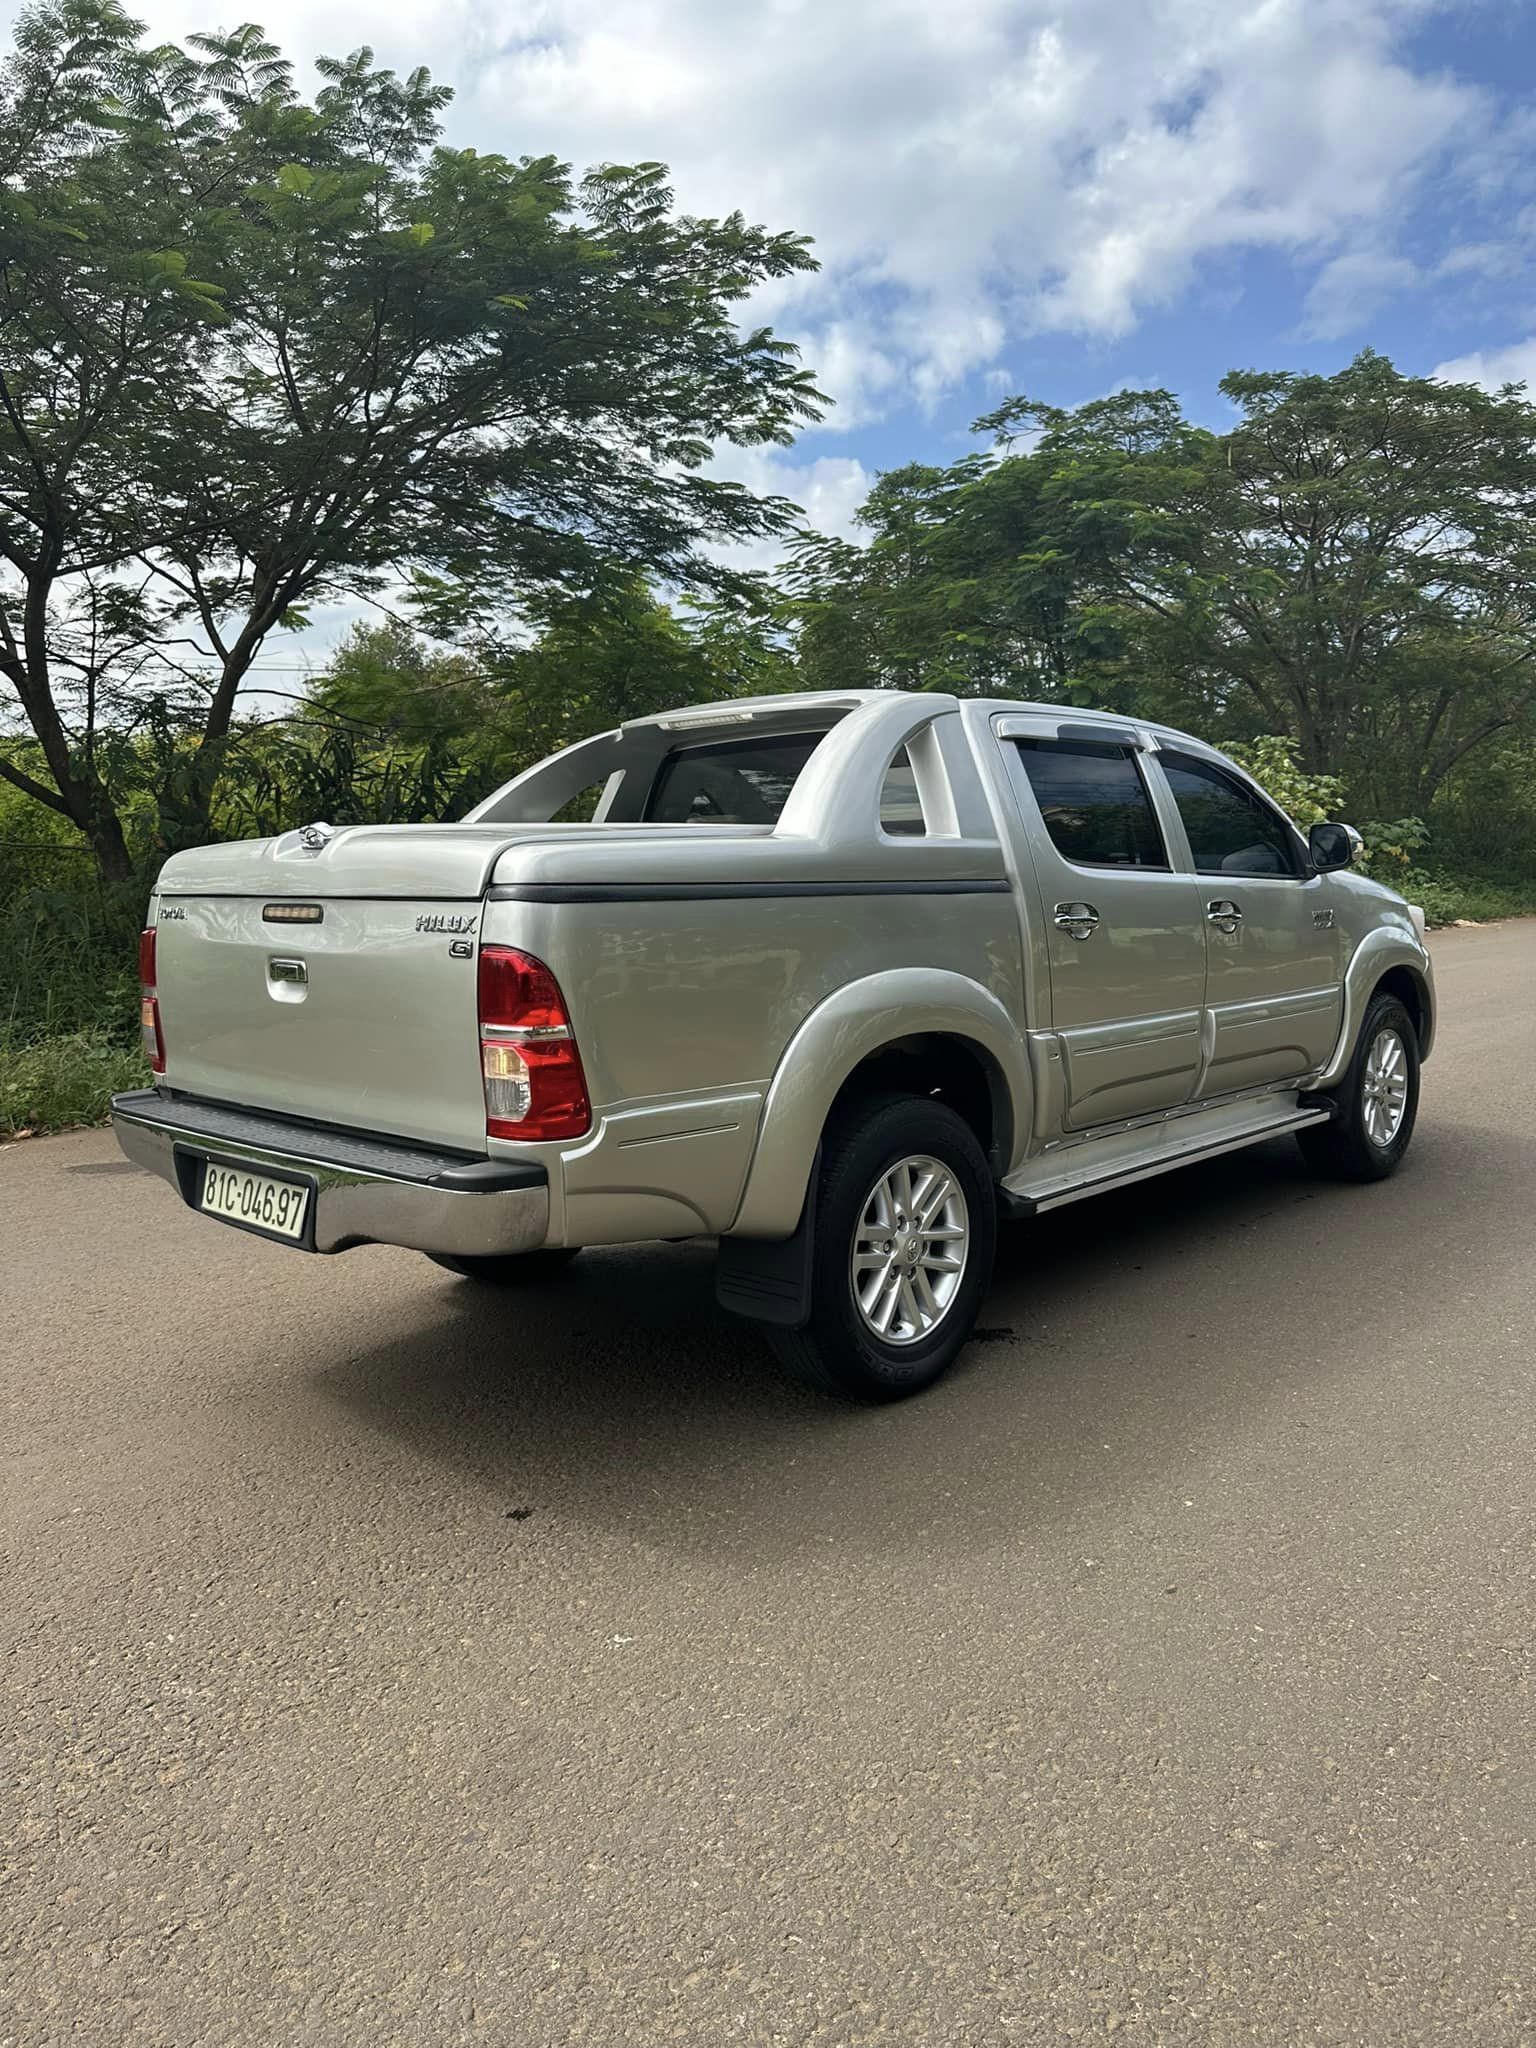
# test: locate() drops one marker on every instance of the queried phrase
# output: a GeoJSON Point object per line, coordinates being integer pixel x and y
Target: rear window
{"type": "Point", "coordinates": [730, 782]}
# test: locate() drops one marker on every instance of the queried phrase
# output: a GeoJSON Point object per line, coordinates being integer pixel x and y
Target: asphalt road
{"type": "Point", "coordinates": [385, 1663]}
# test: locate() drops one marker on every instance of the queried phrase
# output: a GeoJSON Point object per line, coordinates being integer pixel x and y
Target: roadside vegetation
{"type": "Point", "coordinates": [259, 354]}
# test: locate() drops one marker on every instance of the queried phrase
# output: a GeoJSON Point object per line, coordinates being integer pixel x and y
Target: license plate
{"type": "Point", "coordinates": [277, 1207]}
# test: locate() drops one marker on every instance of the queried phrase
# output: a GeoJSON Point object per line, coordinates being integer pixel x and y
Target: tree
{"type": "Point", "coordinates": [1352, 565]}
{"type": "Point", "coordinates": [582, 662]}
{"type": "Point", "coordinates": [1361, 568]}
{"type": "Point", "coordinates": [256, 352]}
{"type": "Point", "coordinates": [1005, 573]}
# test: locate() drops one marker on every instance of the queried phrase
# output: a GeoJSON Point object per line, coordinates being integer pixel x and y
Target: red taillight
{"type": "Point", "coordinates": [151, 1036]}
{"type": "Point", "coordinates": [534, 1085]}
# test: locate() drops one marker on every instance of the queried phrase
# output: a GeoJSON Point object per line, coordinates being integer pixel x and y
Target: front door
{"type": "Point", "coordinates": [1274, 982]}
{"type": "Point", "coordinates": [1124, 933]}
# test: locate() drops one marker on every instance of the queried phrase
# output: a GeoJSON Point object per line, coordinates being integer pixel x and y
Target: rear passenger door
{"type": "Point", "coordinates": [1123, 932]}
{"type": "Point", "coordinates": [1274, 975]}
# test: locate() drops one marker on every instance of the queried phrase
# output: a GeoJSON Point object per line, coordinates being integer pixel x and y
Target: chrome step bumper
{"type": "Point", "coordinates": [368, 1190]}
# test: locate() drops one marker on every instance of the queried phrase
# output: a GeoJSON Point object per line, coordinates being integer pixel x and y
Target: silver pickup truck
{"type": "Point", "coordinates": [834, 979]}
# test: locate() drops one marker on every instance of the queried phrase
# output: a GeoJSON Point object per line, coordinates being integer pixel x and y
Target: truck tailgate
{"type": "Point", "coordinates": [363, 1014]}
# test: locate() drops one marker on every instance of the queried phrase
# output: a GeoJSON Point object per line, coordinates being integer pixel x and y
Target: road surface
{"type": "Point", "coordinates": [386, 1663]}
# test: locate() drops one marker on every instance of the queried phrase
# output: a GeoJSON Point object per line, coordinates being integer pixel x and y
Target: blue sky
{"type": "Point", "coordinates": [1051, 196]}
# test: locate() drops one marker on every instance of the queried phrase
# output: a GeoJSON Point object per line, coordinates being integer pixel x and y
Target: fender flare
{"type": "Point", "coordinates": [856, 1020]}
{"type": "Point", "coordinates": [1385, 947]}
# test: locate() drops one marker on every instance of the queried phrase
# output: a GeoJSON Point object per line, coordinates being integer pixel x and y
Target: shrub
{"type": "Point", "coordinates": [50, 1084]}
{"type": "Point", "coordinates": [1307, 799]}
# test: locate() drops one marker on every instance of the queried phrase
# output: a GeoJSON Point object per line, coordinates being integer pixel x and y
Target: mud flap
{"type": "Point", "coordinates": [768, 1280]}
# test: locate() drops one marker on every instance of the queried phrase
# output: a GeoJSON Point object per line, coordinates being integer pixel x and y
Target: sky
{"type": "Point", "coordinates": [1054, 197]}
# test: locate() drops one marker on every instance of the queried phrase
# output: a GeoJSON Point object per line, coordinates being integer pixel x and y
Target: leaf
{"type": "Point", "coordinates": [293, 181]}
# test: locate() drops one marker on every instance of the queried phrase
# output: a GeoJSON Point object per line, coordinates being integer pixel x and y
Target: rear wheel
{"type": "Point", "coordinates": [906, 1226]}
{"type": "Point", "coordinates": [1376, 1102]}
{"type": "Point", "coordinates": [510, 1269]}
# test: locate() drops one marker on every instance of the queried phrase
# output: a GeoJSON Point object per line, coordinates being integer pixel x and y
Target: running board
{"type": "Point", "coordinates": [1116, 1162]}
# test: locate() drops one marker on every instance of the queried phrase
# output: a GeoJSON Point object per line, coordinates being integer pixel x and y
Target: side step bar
{"type": "Point", "coordinates": [1050, 1184]}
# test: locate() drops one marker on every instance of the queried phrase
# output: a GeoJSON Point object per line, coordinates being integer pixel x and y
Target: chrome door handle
{"type": "Point", "coordinates": [1077, 920]}
{"type": "Point", "coordinates": [1226, 916]}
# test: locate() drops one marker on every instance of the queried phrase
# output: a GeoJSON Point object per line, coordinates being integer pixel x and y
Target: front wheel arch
{"type": "Point", "coordinates": [1411, 991]}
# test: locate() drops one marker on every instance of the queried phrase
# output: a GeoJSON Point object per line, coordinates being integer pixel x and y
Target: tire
{"type": "Point", "coordinates": [1373, 1123]}
{"type": "Point", "coordinates": [841, 1351]}
{"type": "Point", "coordinates": [509, 1269]}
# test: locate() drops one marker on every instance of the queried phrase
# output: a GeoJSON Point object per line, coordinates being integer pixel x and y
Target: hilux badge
{"type": "Point", "coordinates": [436, 921]}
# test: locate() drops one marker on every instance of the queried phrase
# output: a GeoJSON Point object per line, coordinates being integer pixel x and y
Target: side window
{"type": "Point", "coordinates": [1094, 803]}
{"type": "Point", "coordinates": [1231, 831]}
{"type": "Point", "coordinates": [900, 811]}
{"type": "Point", "coordinates": [578, 810]}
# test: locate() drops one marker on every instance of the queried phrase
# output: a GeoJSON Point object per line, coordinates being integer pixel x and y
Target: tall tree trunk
{"type": "Point", "coordinates": [109, 843]}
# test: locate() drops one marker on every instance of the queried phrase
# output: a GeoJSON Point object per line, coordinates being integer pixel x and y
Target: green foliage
{"type": "Point", "coordinates": [1452, 898]}
{"type": "Point", "coordinates": [51, 1084]}
{"type": "Point", "coordinates": [1271, 761]}
{"type": "Point", "coordinates": [1392, 849]}
{"type": "Point", "coordinates": [1351, 565]}
{"type": "Point", "coordinates": [68, 948]}
{"type": "Point", "coordinates": [258, 353]}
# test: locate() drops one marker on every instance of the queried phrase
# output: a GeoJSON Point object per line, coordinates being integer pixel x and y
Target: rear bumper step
{"type": "Point", "coordinates": [368, 1190]}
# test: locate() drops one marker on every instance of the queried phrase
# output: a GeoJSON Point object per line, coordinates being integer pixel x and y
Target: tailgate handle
{"type": "Point", "coordinates": [292, 973]}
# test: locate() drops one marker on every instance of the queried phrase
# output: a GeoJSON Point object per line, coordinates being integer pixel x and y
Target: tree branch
{"type": "Point", "coordinates": [38, 791]}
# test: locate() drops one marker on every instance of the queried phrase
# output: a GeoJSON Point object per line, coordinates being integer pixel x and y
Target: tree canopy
{"type": "Point", "coordinates": [257, 352]}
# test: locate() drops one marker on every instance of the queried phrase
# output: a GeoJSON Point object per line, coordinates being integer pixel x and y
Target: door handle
{"type": "Point", "coordinates": [1225, 915]}
{"type": "Point", "coordinates": [1077, 920]}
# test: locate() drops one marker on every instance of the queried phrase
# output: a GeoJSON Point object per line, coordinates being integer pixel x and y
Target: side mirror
{"type": "Point", "coordinates": [1333, 846]}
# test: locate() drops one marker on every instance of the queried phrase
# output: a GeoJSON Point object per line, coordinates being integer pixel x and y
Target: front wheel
{"type": "Point", "coordinates": [508, 1269]}
{"type": "Point", "coordinates": [906, 1227]}
{"type": "Point", "coordinates": [1376, 1103]}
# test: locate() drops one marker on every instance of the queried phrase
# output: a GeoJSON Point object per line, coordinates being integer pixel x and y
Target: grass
{"type": "Point", "coordinates": [52, 1084]}
{"type": "Point", "coordinates": [1445, 898]}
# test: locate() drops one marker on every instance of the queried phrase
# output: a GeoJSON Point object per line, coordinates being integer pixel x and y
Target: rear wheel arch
{"type": "Point", "coordinates": [942, 1066]}
{"type": "Point", "coordinates": [901, 1022]}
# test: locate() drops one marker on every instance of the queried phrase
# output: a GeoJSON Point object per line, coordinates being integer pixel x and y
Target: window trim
{"type": "Point", "coordinates": [1127, 749]}
{"type": "Point", "coordinates": [1301, 870]}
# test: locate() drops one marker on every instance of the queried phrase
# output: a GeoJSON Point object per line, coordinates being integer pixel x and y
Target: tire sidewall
{"type": "Point", "coordinates": [886, 1133]}
{"type": "Point", "coordinates": [1384, 1012]}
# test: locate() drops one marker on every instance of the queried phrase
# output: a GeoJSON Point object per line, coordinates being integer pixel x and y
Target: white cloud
{"type": "Point", "coordinates": [1350, 287]}
{"type": "Point", "coordinates": [971, 169]}
{"type": "Point", "coordinates": [829, 490]}
{"type": "Point", "coordinates": [1494, 367]}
